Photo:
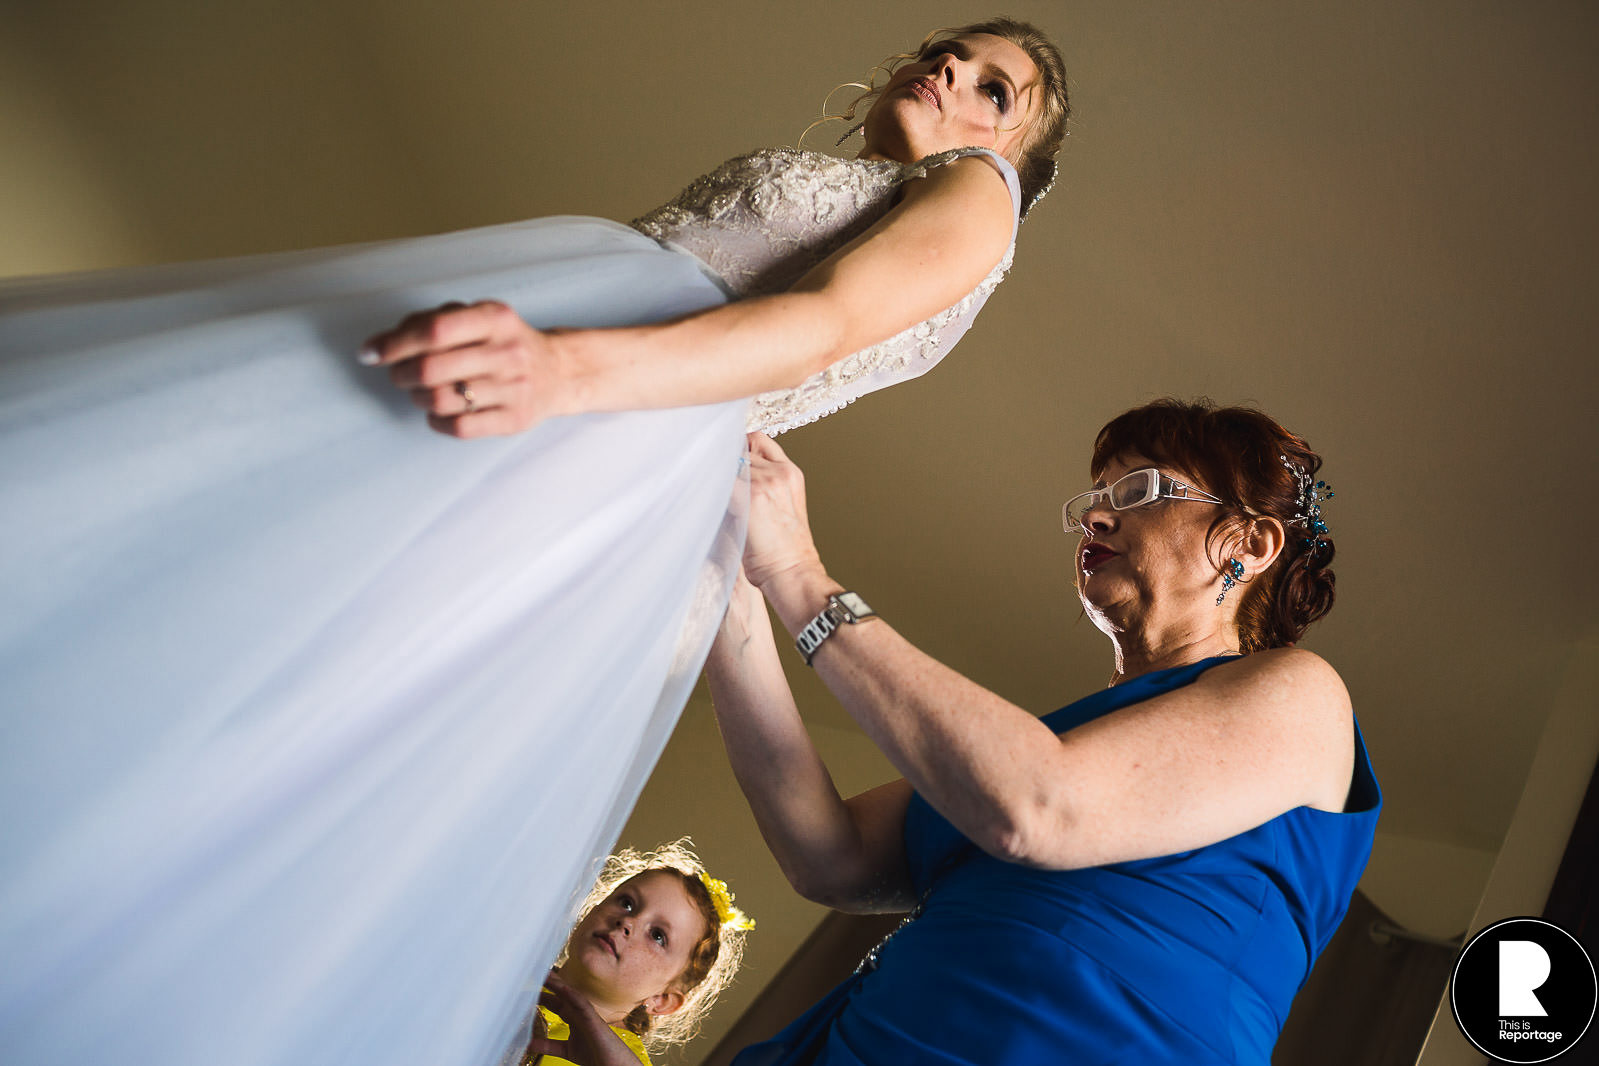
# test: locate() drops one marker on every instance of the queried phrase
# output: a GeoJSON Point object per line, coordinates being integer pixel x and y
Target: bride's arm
{"type": "Point", "coordinates": [923, 256]}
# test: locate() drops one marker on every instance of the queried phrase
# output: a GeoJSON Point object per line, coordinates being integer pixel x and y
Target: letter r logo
{"type": "Point", "coordinates": [1524, 990]}
{"type": "Point", "coordinates": [1523, 967]}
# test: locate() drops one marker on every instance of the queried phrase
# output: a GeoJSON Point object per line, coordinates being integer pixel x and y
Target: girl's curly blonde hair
{"type": "Point", "coordinates": [713, 961]}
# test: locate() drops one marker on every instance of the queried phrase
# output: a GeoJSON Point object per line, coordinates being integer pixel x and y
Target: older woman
{"type": "Point", "coordinates": [1144, 876]}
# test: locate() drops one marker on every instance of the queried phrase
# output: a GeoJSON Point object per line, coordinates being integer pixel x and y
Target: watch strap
{"type": "Point", "coordinates": [844, 608]}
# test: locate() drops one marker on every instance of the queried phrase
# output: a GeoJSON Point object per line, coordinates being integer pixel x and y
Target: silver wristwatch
{"type": "Point", "coordinates": [844, 608]}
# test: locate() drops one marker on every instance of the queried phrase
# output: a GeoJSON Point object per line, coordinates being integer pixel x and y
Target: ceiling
{"type": "Point", "coordinates": [1375, 220]}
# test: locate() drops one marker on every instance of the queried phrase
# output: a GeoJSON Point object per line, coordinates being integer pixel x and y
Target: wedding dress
{"type": "Point", "coordinates": [314, 723]}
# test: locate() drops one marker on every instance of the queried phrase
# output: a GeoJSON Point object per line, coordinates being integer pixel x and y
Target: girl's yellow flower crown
{"type": "Point", "coordinates": [722, 899]}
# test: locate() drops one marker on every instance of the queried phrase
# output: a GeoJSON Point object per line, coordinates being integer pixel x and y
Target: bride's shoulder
{"type": "Point", "coordinates": [983, 159]}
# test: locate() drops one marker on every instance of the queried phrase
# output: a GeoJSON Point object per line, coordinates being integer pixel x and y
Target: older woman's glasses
{"type": "Point", "coordinates": [1130, 490]}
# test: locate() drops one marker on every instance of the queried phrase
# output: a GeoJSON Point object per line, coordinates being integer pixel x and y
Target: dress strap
{"type": "Point", "coordinates": [920, 168]}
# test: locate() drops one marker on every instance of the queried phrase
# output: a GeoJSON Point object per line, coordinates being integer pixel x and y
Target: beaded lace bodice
{"type": "Point", "coordinates": [761, 221]}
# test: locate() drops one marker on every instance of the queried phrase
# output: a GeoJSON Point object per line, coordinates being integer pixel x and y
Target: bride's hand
{"type": "Point", "coordinates": [477, 370]}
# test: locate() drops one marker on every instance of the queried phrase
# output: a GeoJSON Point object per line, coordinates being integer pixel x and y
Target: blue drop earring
{"type": "Point", "coordinates": [1231, 573]}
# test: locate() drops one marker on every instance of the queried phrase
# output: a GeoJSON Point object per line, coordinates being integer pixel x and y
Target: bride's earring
{"type": "Point", "coordinates": [852, 131]}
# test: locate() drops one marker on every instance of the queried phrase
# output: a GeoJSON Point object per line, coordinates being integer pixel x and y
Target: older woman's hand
{"type": "Point", "coordinates": [779, 538]}
{"type": "Point", "coordinates": [477, 370]}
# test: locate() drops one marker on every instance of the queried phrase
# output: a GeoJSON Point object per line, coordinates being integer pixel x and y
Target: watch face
{"type": "Point", "coordinates": [854, 604]}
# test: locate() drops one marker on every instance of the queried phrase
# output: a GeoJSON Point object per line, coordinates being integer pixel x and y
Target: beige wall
{"type": "Point", "coordinates": [1427, 886]}
{"type": "Point", "coordinates": [56, 210]}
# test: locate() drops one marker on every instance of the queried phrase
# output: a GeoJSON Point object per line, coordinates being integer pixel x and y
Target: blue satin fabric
{"type": "Point", "coordinates": [1190, 958]}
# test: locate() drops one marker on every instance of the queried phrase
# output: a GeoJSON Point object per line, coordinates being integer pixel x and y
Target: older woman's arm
{"type": "Point", "coordinates": [846, 854]}
{"type": "Point", "coordinates": [1246, 742]}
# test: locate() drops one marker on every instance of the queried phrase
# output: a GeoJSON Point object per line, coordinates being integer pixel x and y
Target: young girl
{"type": "Point", "coordinates": [658, 941]}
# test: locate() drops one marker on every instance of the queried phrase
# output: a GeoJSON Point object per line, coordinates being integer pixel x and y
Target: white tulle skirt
{"type": "Point", "coordinates": [314, 723]}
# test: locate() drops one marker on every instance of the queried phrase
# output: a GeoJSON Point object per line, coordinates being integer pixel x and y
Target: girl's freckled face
{"type": "Point", "coordinates": [637, 941]}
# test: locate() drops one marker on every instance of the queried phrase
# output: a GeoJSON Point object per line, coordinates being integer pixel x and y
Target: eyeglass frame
{"type": "Point", "coordinates": [1069, 525]}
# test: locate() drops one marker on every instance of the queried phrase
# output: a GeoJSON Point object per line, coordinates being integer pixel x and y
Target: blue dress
{"type": "Point", "coordinates": [1191, 958]}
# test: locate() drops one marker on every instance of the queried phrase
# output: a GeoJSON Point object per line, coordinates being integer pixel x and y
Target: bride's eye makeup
{"type": "Point", "coordinates": [997, 91]}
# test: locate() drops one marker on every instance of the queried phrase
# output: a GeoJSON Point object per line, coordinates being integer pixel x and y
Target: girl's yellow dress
{"type": "Point", "coordinates": [557, 1029]}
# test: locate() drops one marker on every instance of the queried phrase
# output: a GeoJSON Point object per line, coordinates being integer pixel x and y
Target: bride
{"type": "Point", "coordinates": [315, 722]}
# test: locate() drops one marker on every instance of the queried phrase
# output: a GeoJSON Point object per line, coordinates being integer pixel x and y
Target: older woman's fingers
{"type": "Point", "coordinates": [778, 535]}
{"type": "Point", "coordinates": [772, 470]}
{"type": "Point", "coordinates": [766, 456]}
{"type": "Point", "coordinates": [453, 325]}
{"type": "Point", "coordinates": [766, 448]}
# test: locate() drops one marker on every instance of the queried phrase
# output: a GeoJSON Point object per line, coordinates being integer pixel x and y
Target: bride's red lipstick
{"type": "Point", "coordinates": [928, 91]}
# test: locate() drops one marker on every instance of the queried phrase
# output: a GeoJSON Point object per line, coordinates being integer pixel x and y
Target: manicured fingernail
{"type": "Point", "coordinates": [367, 356]}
